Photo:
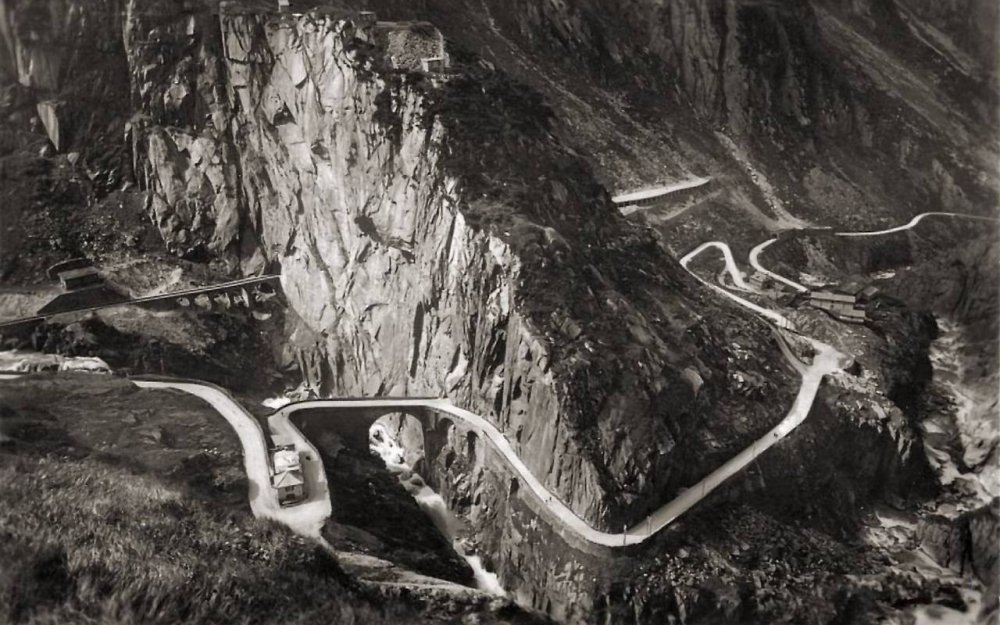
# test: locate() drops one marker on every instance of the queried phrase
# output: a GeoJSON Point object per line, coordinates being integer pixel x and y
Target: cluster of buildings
{"type": "Point", "coordinates": [849, 307]}
{"type": "Point", "coordinates": [847, 303]}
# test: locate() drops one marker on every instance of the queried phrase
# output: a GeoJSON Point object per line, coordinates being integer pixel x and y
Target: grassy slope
{"type": "Point", "coordinates": [111, 514]}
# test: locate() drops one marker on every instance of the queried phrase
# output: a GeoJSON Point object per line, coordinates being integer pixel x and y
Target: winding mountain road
{"type": "Point", "coordinates": [775, 317]}
{"type": "Point", "coordinates": [826, 360]}
{"type": "Point", "coordinates": [306, 518]}
{"type": "Point", "coordinates": [913, 222]}
{"type": "Point", "coordinates": [312, 514]}
{"type": "Point", "coordinates": [757, 250]}
{"type": "Point", "coordinates": [755, 263]}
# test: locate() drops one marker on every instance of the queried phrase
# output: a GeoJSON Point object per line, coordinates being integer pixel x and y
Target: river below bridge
{"type": "Point", "coordinates": [393, 454]}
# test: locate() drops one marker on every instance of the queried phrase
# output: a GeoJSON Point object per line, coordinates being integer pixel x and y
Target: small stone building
{"type": "Point", "coordinates": [413, 46]}
{"type": "Point", "coordinates": [290, 487]}
{"type": "Point", "coordinates": [286, 477]}
{"type": "Point", "coordinates": [866, 294]}
{"type": "Point", "coordinates": [72, 279]}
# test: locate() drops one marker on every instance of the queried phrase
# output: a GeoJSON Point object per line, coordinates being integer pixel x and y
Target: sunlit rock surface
{"type": "Point", "coordinates": [410, 281]}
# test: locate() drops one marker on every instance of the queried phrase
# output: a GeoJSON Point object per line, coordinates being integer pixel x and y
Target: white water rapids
{"type": "Point", "coordinates": [972, 424]}
{"type": "Point", "coordinates": [971, 486]}
{"type": "Point", "coordinates": [430, 502]}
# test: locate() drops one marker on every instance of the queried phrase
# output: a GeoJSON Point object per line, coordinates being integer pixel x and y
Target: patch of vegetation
{"type": "Point", "coordinates": [173, 435]}
{"type": "Point", "coordinates": [83, 541]}
{"type": "Point", "coordinates": [113, 512]}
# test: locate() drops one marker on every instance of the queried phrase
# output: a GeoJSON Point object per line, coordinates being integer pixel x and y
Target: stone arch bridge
{"type": "Point", "coordinates": [353, 418]}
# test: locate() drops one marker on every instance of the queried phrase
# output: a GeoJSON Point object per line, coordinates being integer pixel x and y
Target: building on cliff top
{"type": "Point", "coordinates": [413, 46]}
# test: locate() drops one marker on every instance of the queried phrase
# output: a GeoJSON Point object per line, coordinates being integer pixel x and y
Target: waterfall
{"type": "Point", "coordinates": [431, 503]}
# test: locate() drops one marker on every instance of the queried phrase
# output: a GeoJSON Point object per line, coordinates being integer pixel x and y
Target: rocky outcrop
{"type": "Point", "coordinates": [835, 104]}
{"type": "Point", "coordinates": [77, 75]}
{"type": "Point", "coordinates": [180, 131]}
{"type": "Point", "coordinates": [437, 239]}
{"type": "Point", "coordinates": [966, 544]}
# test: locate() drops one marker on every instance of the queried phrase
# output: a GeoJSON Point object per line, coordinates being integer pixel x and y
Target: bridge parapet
{"type": "Point", "coordinates": [352, 419]}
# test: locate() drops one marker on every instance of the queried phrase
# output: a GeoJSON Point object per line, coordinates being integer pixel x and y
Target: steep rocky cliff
{"type": "Point", "coordinates": [450, 233]}
{"type": "Point", "coordinates": [436, 238]}
{"type": "Point", "coordinates": [833, 112]}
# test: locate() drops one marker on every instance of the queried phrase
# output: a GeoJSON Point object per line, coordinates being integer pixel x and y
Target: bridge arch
{"type": "Point", "coordinates": [424, 431]}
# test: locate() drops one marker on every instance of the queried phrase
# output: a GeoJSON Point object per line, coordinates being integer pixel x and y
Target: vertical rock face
{"type": "Point", "coordinates": [435, 238]}
{"type": "Point", "coordinates": [966, 543]}
{"type": "Point", "coordinates": [61, 51]}
{"type": "Point", "coordinates": [180, 132]}
{"type": "Point", "coordinates": [882, 106]}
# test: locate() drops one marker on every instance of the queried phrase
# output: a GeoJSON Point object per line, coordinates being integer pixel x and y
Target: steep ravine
{"type": "Point", "coordinates": [435, 238]}
{"type": "Point", "coordinates": [438, 236]}
{"type": "Point", "coordinates": [838, 112]}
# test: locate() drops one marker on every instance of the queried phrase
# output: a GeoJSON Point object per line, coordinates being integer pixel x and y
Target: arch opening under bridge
{"type": "Point", "coordinates": [422, 431]}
